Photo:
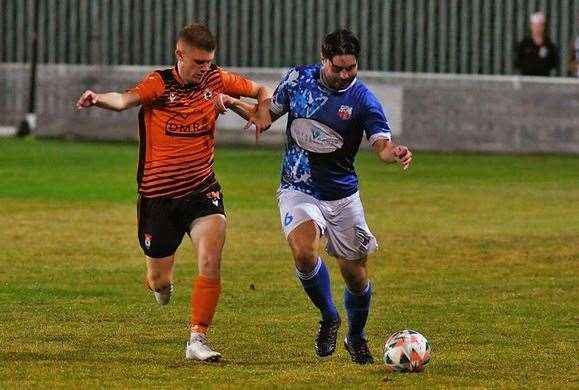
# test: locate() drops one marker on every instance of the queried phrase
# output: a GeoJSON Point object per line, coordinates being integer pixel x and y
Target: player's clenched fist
{"type": "Point", "coordinates": [87, 99]}
{"type": "Point", "coordinates": [403, 155]}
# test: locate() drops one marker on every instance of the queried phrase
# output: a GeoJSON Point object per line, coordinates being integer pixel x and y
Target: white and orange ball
{"type": "Point", "coordinates": [407, 351]}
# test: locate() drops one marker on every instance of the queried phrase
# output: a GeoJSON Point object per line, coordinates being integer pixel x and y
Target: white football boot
{"type": "Point", "coordinates": [163, 297]}
{"type": "Point", "coordinates": [198, 349]}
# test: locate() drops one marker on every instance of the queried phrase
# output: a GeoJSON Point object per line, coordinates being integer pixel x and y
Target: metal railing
{"type": "Point", "coordinates": [442, 36]}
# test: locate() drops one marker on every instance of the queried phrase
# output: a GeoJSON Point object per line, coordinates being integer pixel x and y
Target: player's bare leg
{"type": "Point", "coordinates": [160, 277]}
{"type": "Point", "coordinates": [304, 242]}
{"type": "Point", "coordinates": [357, 301]}
{"type": "Point", "coordinates": [355, 273]}
{"type": "Point", "coordinates": [208, 237]}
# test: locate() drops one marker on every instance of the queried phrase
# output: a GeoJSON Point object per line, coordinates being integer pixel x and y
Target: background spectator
{"type": "Point", "coordinates": [573, 64]}
{"type": "Point", "coordinates": [536, 55]}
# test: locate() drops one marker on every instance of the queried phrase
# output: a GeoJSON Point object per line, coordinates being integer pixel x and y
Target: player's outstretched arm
{"type": "Point", "coordinates": [261, 118]}
{"type": "Point", "coordinates": [390, 153]}
{"type": "Point", "coordinates": [243, 109]}
{"type": "Point", "coordinates": [114, 101]}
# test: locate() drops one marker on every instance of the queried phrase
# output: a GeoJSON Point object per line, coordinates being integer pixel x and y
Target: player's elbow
{"type": "Point", "coordinates": [264, 92]}
{"type": "Point", "coordinates": [126, 101]}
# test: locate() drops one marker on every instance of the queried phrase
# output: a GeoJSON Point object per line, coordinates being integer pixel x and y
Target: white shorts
{"type": "Point", "coordinates": [342, 221]}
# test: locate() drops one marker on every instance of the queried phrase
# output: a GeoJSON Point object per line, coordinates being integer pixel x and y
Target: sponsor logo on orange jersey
{"type": "Point", "coordinates": [187, 125]}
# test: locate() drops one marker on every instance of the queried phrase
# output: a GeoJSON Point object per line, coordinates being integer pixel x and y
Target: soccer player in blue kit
{"type": "Point", "coordinates": [329, 111]}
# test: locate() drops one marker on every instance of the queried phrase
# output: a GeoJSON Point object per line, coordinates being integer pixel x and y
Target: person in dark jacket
{"type": "Point", "coordinates": [536, 55]}
{"type": "Point", "coordinates": [573, 62]}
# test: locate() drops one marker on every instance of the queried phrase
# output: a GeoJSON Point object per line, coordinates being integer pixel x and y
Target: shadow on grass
{"type": "Point", "coordinates": [149, 358]}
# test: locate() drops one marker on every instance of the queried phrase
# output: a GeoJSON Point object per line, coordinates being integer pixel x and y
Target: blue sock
{"type": "Point", "coordinates": [317, 286]}
{"type": "Point", "coordinates": [357, 306]}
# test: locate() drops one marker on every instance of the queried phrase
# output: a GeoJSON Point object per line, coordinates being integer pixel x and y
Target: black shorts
{"type": "Point", "coordinates": [163, 222]}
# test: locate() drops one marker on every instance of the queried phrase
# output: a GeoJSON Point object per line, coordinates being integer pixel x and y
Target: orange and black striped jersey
{"type": "Point", "coordinates": [177, 130]}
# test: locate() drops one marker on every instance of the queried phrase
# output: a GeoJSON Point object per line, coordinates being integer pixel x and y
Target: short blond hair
{"type": "Point", "coordinates": [197, 35]}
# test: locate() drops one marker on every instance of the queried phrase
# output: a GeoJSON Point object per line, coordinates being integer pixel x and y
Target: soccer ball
{"type": "Point", "coordinates": [407, 351]}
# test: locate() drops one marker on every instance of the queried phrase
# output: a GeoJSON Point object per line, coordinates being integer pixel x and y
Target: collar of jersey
{"type": "Point", "coordinates": [321, 81]}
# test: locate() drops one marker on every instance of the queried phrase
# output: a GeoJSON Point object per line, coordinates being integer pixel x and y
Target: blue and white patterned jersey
{"type": "Point", "coordinates": [324, 131]}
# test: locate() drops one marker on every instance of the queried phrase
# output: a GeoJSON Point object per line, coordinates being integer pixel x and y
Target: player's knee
{"type": "Point", "coordinates": [356, 284]}
{"type": "Point", "coordinates": [305, 260]}
{"type": "Point", "coordinates": [157, 281]}
{"type": "Point", "coordinates": [209, 265]}
{"type": "Point", "coordinates": [355, 274]}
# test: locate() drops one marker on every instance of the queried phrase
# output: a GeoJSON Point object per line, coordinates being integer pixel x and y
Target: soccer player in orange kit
{"type": "Point", "coordinates": [178, 191]}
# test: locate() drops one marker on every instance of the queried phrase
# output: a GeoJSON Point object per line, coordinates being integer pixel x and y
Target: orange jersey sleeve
{"type": "Point", "coordinates": [235, 85]}
{"type": "Point", "coordinates": [149, 89]}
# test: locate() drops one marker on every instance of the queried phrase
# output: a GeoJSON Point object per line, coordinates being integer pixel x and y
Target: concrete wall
{"type": "Point", "coordinates": [426, 111]}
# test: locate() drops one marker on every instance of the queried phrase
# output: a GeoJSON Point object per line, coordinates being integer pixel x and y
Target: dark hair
{"type": "Point", "coordinates": [199, 36]}
{"type": "Point", "coordinates": [340, 42]}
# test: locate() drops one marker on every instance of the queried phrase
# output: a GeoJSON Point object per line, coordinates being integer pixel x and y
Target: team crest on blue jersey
{"type": "Point", "coordinates": [345, 112]}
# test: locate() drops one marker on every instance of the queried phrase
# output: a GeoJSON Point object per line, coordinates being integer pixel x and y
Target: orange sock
{"type": "Point", "coordinates": [204, 302]}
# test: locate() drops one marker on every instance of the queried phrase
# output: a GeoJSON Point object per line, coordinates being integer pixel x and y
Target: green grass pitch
{"type": "Point", "coordinates": [479, 253]}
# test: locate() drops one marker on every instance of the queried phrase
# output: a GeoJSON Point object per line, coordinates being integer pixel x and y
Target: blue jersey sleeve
{"type": "Point", "coordinates": [280, 101]}
{"type": "Point", "coordinates": [374, 121]}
